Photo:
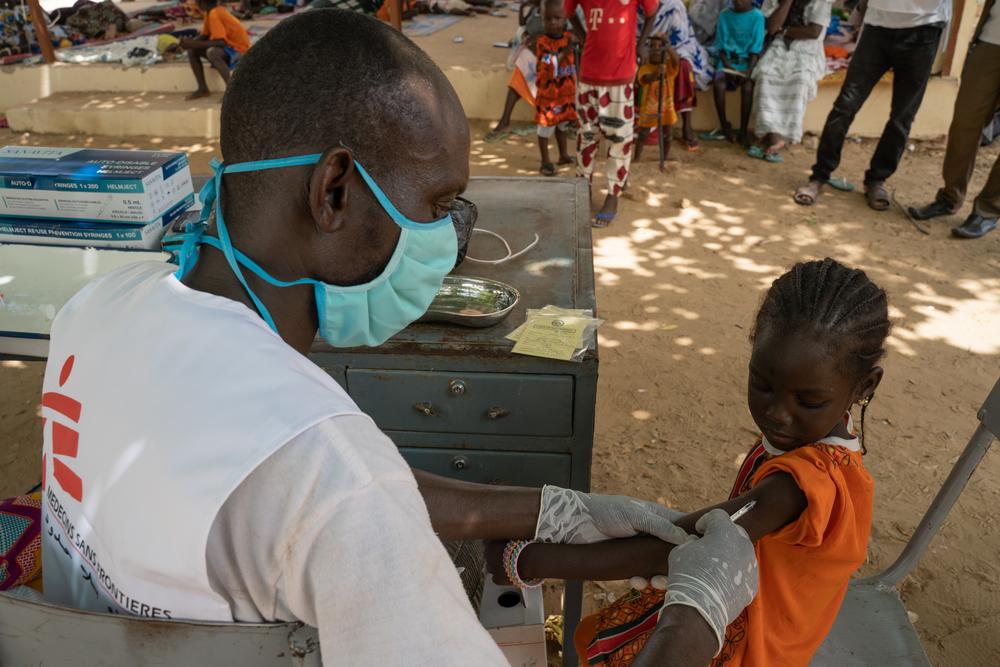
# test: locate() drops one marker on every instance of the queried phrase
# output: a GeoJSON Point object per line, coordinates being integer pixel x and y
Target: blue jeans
{"type": "Point", "coordinates": [909, 53]}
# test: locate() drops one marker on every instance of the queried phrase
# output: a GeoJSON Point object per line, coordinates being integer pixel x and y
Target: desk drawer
{"type": "Point", "coordinates": [484, 403]}
{"type": "Point", "coordinates": [511, 468]}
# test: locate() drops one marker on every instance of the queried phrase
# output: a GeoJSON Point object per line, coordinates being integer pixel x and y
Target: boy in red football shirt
{"type": "Point", "coordinates": [605, 100]}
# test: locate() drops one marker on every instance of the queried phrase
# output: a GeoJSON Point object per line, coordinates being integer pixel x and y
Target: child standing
{"type": "Point", "coordinates": [663, 61]}
{"type": "Point", "coordinates": [605, 101]}
{"type": "Point", "coordinates": [818, 338]}
{"type": "Point", "coordinates": [739, 40]}
{"type": "Point", "coordinates": [556, 72]}
{"type": "Point", "coordinates": [222, 41]}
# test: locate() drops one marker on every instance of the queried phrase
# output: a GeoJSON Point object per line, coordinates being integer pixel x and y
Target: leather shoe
{"type": "Point", "coordinates": [974, 227]}
{"type": "Point", "coordinates": [935, 209]}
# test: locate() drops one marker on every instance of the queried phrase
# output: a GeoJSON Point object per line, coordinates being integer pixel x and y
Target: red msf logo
{"type": "Point", "coordinates": [65, 440]}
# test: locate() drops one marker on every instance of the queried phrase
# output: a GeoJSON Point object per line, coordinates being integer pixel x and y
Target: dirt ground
{"type": "Point", "coordinates": [679, 276]}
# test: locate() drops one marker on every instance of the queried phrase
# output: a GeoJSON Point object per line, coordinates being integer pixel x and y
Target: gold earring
{"type": "Point", "coordinates": [864, 402]}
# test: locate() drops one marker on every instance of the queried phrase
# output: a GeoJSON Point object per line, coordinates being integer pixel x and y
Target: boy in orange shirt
{"type": "Point", "coordinates": [819, 335]}
{"type": "Point", "coordinates": [222, 41]}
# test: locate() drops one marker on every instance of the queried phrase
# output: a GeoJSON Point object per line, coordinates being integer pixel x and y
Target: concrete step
{"type": "Point", "coordinates": [120, 115]}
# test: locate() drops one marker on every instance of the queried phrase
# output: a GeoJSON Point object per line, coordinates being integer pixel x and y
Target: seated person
{"type": "Point", "coordinates": [739, 40]}
{"type": "Point", "coordinates": [656, 104]}
{"type": "Point", "coordinates": [555, 101]}
{"type": "Point", "coordinates": [819, 334]}
{"type": "Point", "coordinates": [222, 42]}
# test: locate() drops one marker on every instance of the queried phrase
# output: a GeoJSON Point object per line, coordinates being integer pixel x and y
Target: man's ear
{"type": "Point", "coordinates": [328, 188]}
{"type": "Point", "coordinates": [869, 383]}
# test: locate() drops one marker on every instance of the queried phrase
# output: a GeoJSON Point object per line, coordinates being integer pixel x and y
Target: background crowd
{"type": "Point", "coordinates": [634, 70]}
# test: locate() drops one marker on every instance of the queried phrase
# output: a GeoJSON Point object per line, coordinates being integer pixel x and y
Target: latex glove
{"type": "Point", "coordinates": [716, 574]}
{"type": "Point", "coordinates": [574, 517]}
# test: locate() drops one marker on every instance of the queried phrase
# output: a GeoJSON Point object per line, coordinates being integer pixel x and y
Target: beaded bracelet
{"type": "Point", "coordinates": [511, 553]}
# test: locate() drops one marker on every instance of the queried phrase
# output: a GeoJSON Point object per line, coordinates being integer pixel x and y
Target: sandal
{"type": "Point", "coordinates": [493, 136]}
{"type": "Point", "coordinates": [692, 146]}
{"type": "Point", "coordinates": [548, 169]}
{"type": "Point", "coordinates": [714, 135]}
{"type": "Point", "coordinates": [569, 159]}
{"type": "Point", "coordinates": [773, 157]}
{"type": "Point", "coordinates": [841, 184]}
{"type": "Point", "coordinates": [807, 194]}
{"type": "Point", "coordinates": [602, 220]}
{"type": "Point", "coordinates": [877, 196]}
{"type": "Point", "coordinates": [756, 152]}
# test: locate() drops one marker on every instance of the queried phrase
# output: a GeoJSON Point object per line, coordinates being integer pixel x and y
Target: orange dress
{"type": "Point", "coordinates": [805, 567]}
{"type": "Point", "coordinates": [556, 79]}
{"type": "Point", "coordinates": [649, 95]}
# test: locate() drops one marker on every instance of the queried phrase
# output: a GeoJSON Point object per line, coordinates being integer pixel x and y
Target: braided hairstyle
{"type": "Point", "coordinates": [840, 305]}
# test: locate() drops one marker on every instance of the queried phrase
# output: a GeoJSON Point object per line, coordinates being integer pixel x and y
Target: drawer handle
{"type": "Point", "coordinates": [460, 463]}
{"type": "Point", "coordinates": [457, 387]}
{"type": "Point", "coordinates": [426, 409]}
{"type": "Point", "coordinates": [497, 413]}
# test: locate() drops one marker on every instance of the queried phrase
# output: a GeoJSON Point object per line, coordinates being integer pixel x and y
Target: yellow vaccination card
{"type": "Point", "coordinates": [551, 337]}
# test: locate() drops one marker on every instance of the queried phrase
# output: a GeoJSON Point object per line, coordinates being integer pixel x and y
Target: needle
{"type": "Point", "coordinates": [743, 510]}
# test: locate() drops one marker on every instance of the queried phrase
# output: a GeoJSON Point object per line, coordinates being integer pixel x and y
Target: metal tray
{"type": "Point", "coordinates": [472, 302]}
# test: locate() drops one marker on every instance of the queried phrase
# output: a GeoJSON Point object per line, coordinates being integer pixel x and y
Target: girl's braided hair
{"type": "Point", "coordinates": [840, 305]}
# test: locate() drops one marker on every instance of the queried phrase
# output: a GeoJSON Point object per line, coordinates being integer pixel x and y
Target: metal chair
{"type": "Point", "coordinates": [33, 634]}
{"type": "Point", "coordinates": [873, 627]}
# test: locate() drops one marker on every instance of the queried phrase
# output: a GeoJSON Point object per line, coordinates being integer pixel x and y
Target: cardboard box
{"type": "Point", "coordinates": [45, 231]}
{"type": "Point", "coordinates": [92, 185]}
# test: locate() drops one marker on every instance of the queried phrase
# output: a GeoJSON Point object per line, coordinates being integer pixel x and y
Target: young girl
{"type": "Point", "coordinates": [556, 72]}
{"type": "Point", "coordinates": [817, 341]}
{"type": "Point", "coordinates": [650, 104]}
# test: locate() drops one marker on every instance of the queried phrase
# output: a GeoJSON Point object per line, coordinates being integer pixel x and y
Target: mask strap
{"type": "Point", "coordinates": [256, 268]}
{"type": "Point", "coordinates": [394, 212]}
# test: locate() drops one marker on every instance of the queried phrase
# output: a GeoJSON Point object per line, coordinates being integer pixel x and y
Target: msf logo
{"type": "Point", "coordinates": [65, 439]}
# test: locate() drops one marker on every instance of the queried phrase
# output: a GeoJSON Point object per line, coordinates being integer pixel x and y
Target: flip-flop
{"type": "Point", "coordinates": [492, 137]}
{"type": "Point", "coordinates": [714, 135]}
{"type": "Point", "coordinates": [525, 131]}
{"type": "Point", "coordinates": [692, 147]}
{"type": "Point", "coordinates": [548, 169]}
{"type": "Point", "coordinates": [841, 184]}
{"type": "Point", "coordinates": [756, 152]}
{"type": "Point", "coordinates": [773, 158]}
{"type": "Point", "coordinates": [602, 220]}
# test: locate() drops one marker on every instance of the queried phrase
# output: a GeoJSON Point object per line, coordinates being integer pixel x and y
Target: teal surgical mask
{"type": "Point", "coordinates": [349, 316]}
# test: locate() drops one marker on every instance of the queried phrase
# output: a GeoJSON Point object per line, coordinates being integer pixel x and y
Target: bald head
{"type": "Point", "coordinates": [330, 77]}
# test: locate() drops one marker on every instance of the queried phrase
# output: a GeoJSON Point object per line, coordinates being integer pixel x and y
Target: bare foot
{"type": "Point", "coordinates": [808, 193]}
{"type": "Point", "coordinates": [198, 94]}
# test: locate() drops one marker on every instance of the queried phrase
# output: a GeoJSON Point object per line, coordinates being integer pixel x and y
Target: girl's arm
{"type": "Point", "coordinates": [811, 31]}
{"type": "Point", "coordinates": [779, 502]}
{"type": "Point", "coordinates": [776, 21]}
{"type": "Point", "coordinates": [675, 60]}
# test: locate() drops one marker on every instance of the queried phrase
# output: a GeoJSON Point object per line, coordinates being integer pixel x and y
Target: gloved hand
{"type": "Point", "coordinates": [574, 517]}
{"type": "Point", "coordinates": [716, 574]}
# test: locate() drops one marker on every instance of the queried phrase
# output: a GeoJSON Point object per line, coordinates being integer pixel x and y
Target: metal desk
{"type": "Point", "coordinates": [454, 400]}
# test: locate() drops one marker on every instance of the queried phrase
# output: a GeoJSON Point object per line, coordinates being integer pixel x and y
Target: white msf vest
{"type": "Point", "coordinates": [158, 401]}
